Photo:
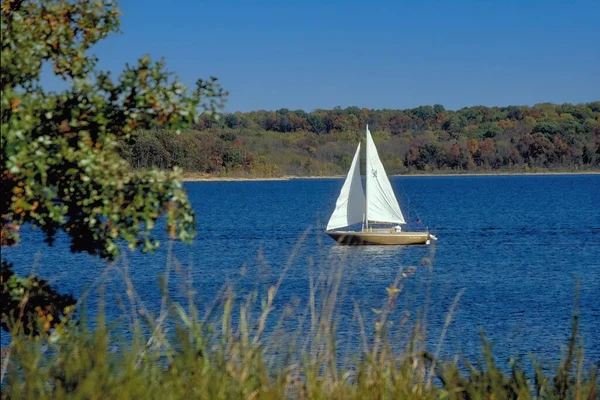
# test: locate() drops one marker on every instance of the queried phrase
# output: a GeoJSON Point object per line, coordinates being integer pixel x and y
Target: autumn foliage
{"type": "Point", "coordinates": [285, 142]}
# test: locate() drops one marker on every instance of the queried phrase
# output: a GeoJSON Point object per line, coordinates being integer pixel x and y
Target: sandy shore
{"type": "Point", "coordinates": [507, 174]}
{"type": "Point", "coordinates": [216, 178]}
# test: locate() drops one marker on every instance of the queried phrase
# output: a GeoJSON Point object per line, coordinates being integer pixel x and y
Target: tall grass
{"type": "Point", "coordinates": [240, 347]}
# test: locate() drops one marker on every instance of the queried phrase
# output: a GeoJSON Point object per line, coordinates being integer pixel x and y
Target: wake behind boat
{"type": "Point", "coordinates": [378, 207]}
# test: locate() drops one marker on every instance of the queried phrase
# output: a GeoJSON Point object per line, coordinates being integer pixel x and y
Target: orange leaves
{"type": "Point", "coordinates": [163, 117]}
{"type": "Point", "coordinates": [64, 126]}
{"type": "Point", "coordinates": [7, 177]}
{"type": "Point", "coordinates": [45, 317]}
{"type": "Point", "coordinates": [6, 6]}
{"type": "Point", "coordinates": [441, 117]}
{"type": "Point", "coordinates": [506, 124]}
{"type": "Point", "coordinates": [7, 234]}
{"type": "Point", "coordinates": [172, 231]}
{"type": "Point", "coordinates": [487, 148]}
{"type": "Point", "coordinates": [18, 199]}
{"type": "Point", "coordinates": [473, 146]}
{"type": "Point", "coordinates": [14, 104]}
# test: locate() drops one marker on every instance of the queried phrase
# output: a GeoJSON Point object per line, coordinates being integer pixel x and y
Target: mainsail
{"type": "Point", "coordinates": [350, 205]}
{"type": "Point", "coordinates": [382, 205]}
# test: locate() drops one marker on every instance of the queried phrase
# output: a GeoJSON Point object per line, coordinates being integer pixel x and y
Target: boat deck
{"type": "Point", "coordinates": [379, 237]}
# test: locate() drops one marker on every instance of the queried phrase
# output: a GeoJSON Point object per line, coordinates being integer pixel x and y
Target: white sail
{"type": "Point", "coordinates": [382, 205]}
{"type": "Point", "coordinates": [350, 205]}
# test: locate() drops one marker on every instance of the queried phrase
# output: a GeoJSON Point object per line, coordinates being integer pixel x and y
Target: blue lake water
{"type": "Point", "coordinates": [517, 245]}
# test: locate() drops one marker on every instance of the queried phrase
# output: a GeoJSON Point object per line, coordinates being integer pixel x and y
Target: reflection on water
{"type": "Point", "coordinates": [369, 262]}
{"type": "Point", "coordinates": [371, 251]}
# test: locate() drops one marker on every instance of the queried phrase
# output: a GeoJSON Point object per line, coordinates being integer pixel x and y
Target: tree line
{"type": "Point", "coordinates": [427, 138]}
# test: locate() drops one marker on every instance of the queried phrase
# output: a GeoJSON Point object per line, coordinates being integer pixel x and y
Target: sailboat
{"type": "Point", "coordinates": [374, 207]}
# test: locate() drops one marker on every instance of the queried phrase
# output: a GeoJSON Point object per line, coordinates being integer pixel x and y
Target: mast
{"type": "Point", "coordinates": [366, 180]}
{"type": "Point", "coordinates": [381, 203]}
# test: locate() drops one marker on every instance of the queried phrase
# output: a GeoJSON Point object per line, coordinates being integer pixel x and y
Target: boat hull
{"type": "Point", "coordinates": [379, 238]}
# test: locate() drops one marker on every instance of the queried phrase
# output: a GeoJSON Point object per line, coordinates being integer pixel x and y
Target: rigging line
{"type": "Point", "coordinates": [405, 195]}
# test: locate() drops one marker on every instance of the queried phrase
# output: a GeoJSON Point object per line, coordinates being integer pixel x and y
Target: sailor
{"type": "Point", "coordinates": [398, 228]}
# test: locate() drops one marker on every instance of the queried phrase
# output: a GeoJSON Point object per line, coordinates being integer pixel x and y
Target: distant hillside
{"type": "Point", "coordinates": [427, 138]}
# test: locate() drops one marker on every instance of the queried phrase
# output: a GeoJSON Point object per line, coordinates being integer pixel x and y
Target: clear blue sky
{"type": "Point", "coordinates": [321, 54]}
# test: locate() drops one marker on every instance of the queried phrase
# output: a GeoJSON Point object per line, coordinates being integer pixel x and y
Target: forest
{"type": "Point", "coordinates": [543, 137]}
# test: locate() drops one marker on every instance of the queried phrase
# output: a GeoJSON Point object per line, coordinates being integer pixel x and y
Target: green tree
{"type": "Point", "coordinates": [438, 108]}
{"type": "Point", "coordinates": [61, 170]}
{"type": "Point", "coordinates": [317, 123]}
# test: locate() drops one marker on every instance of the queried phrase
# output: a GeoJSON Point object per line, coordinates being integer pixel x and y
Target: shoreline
{"type": "Point", "coordinates": [216, 178]}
